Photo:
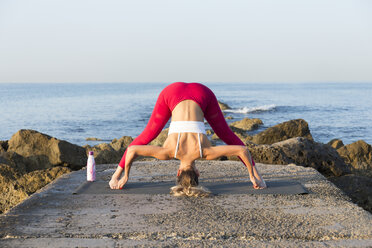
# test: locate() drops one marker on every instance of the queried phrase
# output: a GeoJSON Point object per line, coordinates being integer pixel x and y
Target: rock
{"type": "Point", "coordinates": [15, 187]}
{"type": "Point", "coordinates": [104, 153]}
{"type": "Point", "coordinates": [268, 154]}
{"type": "Point", "coordinates": [159, 141]}
{"type": "Point", "coordinates": [283, 131]}
{"type": "Point", "coordinates": [93, 139]}
{"type": "Point", "coordinates": [238, 132]}
{"type": "Point", "coordinates": [302, 152]}
{"type": "Point", "coordinates": [229, 117]}
{"type": "Point", "coordinates": [223, 106]}
{"type": "Point", "coordinates": [309, 153]}
{"type": "Point", "coordinates": [336, 143]}
{"type": "Point", "coordinates": [357, 187]}
{"type": "Point", "coordinates": [3, 159]}
{"type": "Point", "coordinates": [121, 144]}
{"type": "Point", "coordinates": [42, 151]}
{"type": "Point", "coordinates": [35, 180]}
{"type": "Point", "coordinates": [3, 146]}
{"type": "Point", "coordinates": [15, 161]}
{"type": "Point", "coordinates": [10, 193]}
{"type": "Point", "coordinates": [358, 154]}
{"type": "Point", "coordinates": [247, 124]}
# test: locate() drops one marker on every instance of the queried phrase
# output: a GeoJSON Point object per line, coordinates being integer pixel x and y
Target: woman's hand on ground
{"type": "Point", "coordinates": [118, 184]}
{"type": "Point", "coordinates": [114, 183]}
{"type": "Point", "coordinates": [258, 184]}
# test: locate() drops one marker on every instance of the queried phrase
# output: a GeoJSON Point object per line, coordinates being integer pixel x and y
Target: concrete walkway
{"type": "Point", "coordinates": [54, 217]}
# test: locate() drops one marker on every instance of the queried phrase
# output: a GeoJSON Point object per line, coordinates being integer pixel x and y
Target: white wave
{"type": "Point", "coordinates": [246, 110]}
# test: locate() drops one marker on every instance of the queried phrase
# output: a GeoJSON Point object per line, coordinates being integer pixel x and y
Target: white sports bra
{"type": "Point", "coordinates": [187, 127]}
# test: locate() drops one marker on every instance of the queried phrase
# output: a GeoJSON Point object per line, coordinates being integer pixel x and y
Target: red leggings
{"type": "Point", "coordinates": [167, 101]}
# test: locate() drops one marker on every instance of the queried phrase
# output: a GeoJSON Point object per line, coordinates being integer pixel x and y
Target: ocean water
{"type": "Point", "coordinates": [75, 111]}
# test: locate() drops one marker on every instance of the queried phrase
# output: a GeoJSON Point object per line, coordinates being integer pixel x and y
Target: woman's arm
{"type": "Point", "coordinates": [133, 152]}
{"type": "Point", "coordinates": [243, 153]}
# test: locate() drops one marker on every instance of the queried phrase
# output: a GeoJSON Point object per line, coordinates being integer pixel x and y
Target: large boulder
{"type": "Point", "coordinates": [336, 143]}
{"type": "Point", "coordinates": [43, 151]}
{"type": "Point", "coordinates": [268, 154]}
{"type": "Point", "coordinates": [283, 131]}
{"type": "Point", "coordinates": [358, 154]}
{"type": "Point", "coordinates": [247, 124]}
{"type": "Point", "coordinates": [308, 153]}
{"type": "Point", "coordinates": [303, 152]}
{"type": "Point", "coordinates": [357, 187]}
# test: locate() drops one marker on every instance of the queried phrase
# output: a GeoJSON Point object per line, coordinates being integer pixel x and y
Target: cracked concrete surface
{"type": "Point", "coordinates": [54, 217]}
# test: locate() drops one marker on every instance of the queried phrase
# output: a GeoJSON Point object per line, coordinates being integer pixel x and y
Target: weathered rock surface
{"type": "Point", "coordinates": [247, 124]}
{"type": "Point", "coordinates": [104, 153]}
{"type": "Point", "coordinates": [308, 153]}
{"type": "Point", "coordinates": [357, 187]}
{"type": "Point", "coordinates": [121, 144]}
{"type": "Point", "coordinates": [336, 143]}
{"type": "Point", "coordinates": [3, 146]}
{"type": "Point", "coordinates": [267, 154]}
{"type": "Point", "coordinates": [43, 151]}
{"type": "Point", "coordinates": [303, 152]}
{"type": "Point", "coordinates": [14, 160]}
{"type": "Point", "coordinates": [35, 180]}
{"type": "Point", "coordinates": [358, 154]}
{"type": "Point", "coordinates": [283, 131]}
{"type": "Point", "coordinates": [223, 106]}
{"type": "Point", "coordinates": [241, 133]}
{"type": "Point", "coordinates": [15, 186]}
{"type": "Point", "coordinates": [110, 153]}
{"type": "Point", "coordinates": [10, 194]}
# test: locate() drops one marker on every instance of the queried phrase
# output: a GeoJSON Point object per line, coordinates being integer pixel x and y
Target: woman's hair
{"type": "Point", "coordinates": [187, 184]}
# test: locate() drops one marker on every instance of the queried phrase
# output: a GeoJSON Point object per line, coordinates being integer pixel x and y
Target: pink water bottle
{"type": "Point", "coordinates": [91, 168]}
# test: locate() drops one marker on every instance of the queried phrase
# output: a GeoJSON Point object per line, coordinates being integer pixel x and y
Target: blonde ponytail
{"type": "Point", "coordinates": [187, 185]}
{"type": "Point", "coordinates": [197, 191]}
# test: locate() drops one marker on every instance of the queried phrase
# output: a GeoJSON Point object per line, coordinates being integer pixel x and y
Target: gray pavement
{"type": "Point", "coordinates": [54, 217]}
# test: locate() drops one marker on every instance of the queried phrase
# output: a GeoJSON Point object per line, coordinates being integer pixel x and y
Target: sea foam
{"type": "Point", "coordinates": [246, 110]}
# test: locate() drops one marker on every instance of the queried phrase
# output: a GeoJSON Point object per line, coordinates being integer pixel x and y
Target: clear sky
{"type": "Point", "coordinates": [191, 40]}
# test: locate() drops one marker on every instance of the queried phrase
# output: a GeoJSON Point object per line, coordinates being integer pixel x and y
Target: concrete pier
{"type": "Point", "coordinates": [54, 217]}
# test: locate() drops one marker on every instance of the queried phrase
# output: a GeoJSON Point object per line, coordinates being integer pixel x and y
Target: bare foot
{"type": "Point", "coordinates": [122, 182]}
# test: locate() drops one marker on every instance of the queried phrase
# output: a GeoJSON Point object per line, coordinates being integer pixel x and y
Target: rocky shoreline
{"type": "Point", "coordinates": [30, 159]}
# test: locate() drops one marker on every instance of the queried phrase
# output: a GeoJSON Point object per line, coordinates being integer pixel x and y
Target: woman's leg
{"type": "Point", "coordinates": [159, 117]}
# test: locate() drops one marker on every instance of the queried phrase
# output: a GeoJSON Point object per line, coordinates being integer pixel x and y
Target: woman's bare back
{"type": "Point", "coordinates": [188, 149]}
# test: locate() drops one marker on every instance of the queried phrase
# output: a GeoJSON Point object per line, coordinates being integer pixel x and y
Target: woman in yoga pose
{"type": "Point", "coordinates": [188, 104]}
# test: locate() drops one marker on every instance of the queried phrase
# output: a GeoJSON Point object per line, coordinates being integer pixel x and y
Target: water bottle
{"type": "Point", "coordinates": [91, 168]}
